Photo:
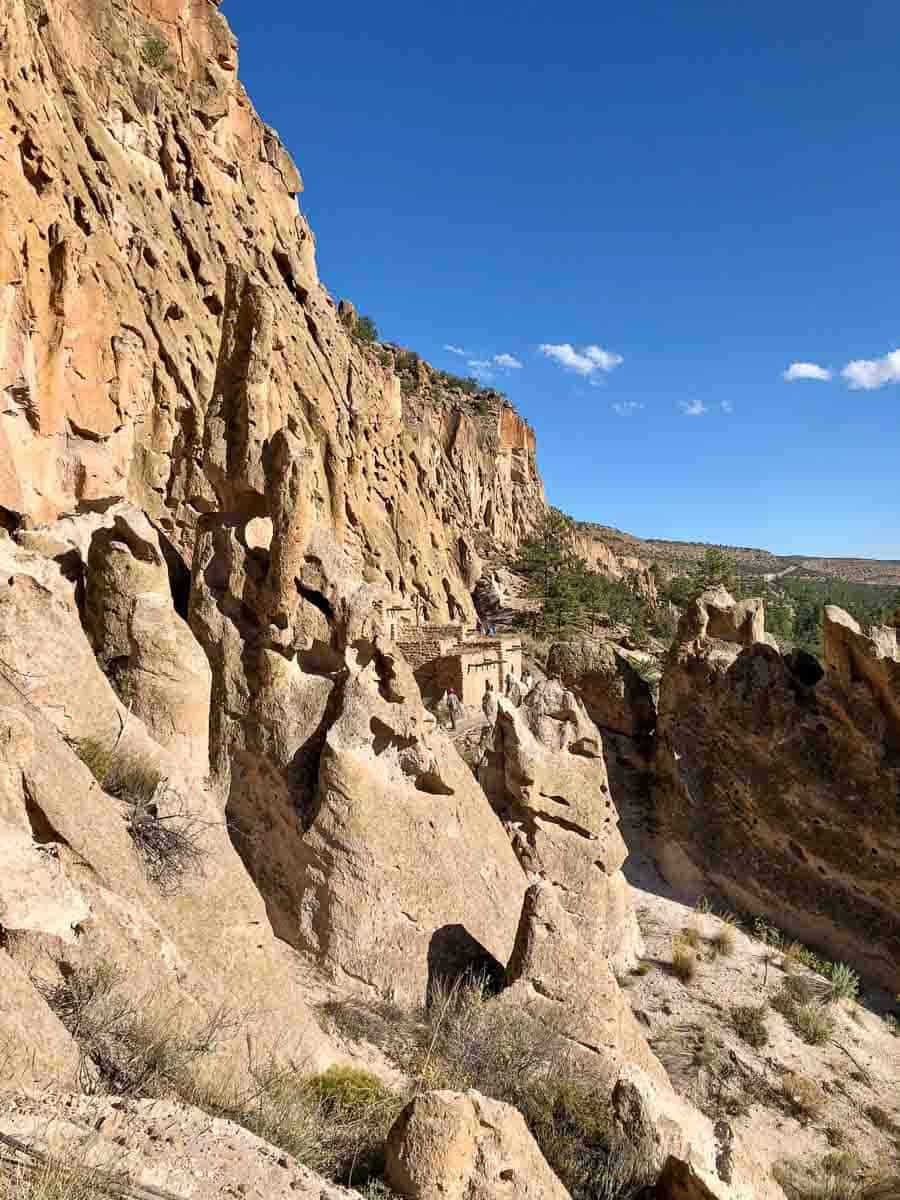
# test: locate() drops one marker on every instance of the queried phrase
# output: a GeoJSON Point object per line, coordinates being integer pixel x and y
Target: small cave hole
{"type": "Point", "coordinates": [316, 599]}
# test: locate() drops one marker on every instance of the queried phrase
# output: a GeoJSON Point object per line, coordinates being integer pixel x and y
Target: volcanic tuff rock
{"type": "Point", "coordinates": [777, 783]}
{"type": "Point", "coordinates": [192, 446]}
{"type": "Point", "coordinates": [161, 318]}
{"type": "Point", "coordinates": [571, 987]}
{"type": "Point", "coordinates": [545, 776]}
{"type": "Point", "coordinates": [73, 890]}
{"type": "Point", "coordinates": [464, 1146]}
{"type": "Point", "coordinates": [606, 679]}
{"type": "Point", "coordinates": [165, 1147]}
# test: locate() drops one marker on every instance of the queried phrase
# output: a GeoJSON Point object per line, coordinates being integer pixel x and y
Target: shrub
{"type": "Point", "coordinates": [170, 845]}
{"type": "Point", "coordinates": [814, 1022]}
{"type": "Point", "coordinates": [155, 52]}
{"type": "Point", "coordinates": [365, 330]}
{"type": "Point", "coordinates": [792, 957]}
{"type": "Point", "coordinates": [804, 1095]}
{"type": "Point", "coordinates": [749, 1021]}
{"type": "Point", "coordinates": [38, 1177]}
{"type": "Point", "coordinates": [684, 960]}
{"type": "Point", "coordinates": [123, 1044]}
{"type": "Point", "coordinates": [348, 1090]}
{"type": "Point", "coordinates": [844, 982]}
{"type": "Point", "coordinates": [335, 1122]}
{"type": "Point", "coordinates": [836, 1136]}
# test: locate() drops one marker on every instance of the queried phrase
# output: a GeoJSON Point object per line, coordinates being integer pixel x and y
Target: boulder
{"type": "Point", "coordinates": [464, 1146]}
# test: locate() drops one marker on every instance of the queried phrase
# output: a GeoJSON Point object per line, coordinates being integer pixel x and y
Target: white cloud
{"type": "Point", "coordinates": [726, 406]}
{"type": "Point", "coordinates": [868, 374]}
{"type": "Point", "coordinates": [627, 408]}
{"type": "Point", "coordinates": [806, 370]}
{"type": "Point", "coordinates": [456, 350]}
{"type": "Point", "coordinates": [507, 361]}
{"type": "Point", "coordinates": [479, 364]}
{"type": "Point", "coordinates": [693, 408]}
{"type": "Point", "coordinates": [584, 362]}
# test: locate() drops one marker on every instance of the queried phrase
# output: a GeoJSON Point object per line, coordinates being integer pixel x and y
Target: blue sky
{"type": "Point", "coordinates": [705, 192]}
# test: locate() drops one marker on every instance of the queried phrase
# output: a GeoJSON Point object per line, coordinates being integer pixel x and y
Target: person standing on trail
{"type": "Point", "coordinates": [453, 706]}
{"type": "Point", "coordinates": [508, 682]}
{"type": "Point", "coordinates": [489, 702]}
{"type": "Point", "coordinates": [527, 682]}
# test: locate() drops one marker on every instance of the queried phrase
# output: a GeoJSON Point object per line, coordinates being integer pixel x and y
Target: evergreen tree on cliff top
{"type": "Point", "coordinates": [554, 572]}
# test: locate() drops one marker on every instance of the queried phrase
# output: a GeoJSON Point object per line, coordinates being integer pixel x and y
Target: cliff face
{"type": "Point", "coordinates": [161, 318]}
{"type": "Point", "coordinates": [777, 783]}
{"type": "Point", "coordinates": [215, 503]}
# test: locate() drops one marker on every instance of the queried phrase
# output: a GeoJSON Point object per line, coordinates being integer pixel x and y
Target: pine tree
{"type": "Point", "coordinates": [716, 570]}
{"type": "Point", "coordinates": [549, 562]}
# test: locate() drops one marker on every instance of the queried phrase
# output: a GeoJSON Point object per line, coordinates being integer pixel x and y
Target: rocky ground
{"type": "Point", "coordinates": [802, 1102]}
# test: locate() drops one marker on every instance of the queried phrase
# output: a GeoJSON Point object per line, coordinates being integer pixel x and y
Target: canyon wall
{"type": "Point", "coordinates": [161, 318]}
{"type": "Point", "coordinates": [777, 780]}
{"type": "Point", "coordinates": [216, 504]}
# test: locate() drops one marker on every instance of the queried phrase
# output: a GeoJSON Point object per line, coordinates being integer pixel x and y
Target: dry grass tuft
{"type": "Point", "coordinates": [127, 1048]}
{"type": "Point", "coordinates": [684, 960]}
{"type": "Point", "coordinates": [840, 1176]}
{"type": "Point", "coordinates": [690, 934]}
{"type": "Point", "coordinates": [53, 1181]}
{"type": "Point", "coordinates": [811, 1020]}
{"type": "Point", "coordinates": [881, 1119]}
{"type": "Point", "coordinates": [170, 844]}
{"type": "Point", "coordinates": [724, 940]}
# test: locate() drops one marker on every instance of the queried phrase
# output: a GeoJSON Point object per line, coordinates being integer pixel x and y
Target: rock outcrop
{"type": "Point", "coordinates": [606, 678]}
{"type": "Point", "coordinates": [405, 874]}
{"type": "Point", "coordinates": [216, 505]}
{"type": "Point", "coordinates": [74, 890]}
{"type": "Point", "coordinates": [546, 778]}
{"type": "Point", "coordinates": [777, 782]}
{"type": "Point", "coordinates": [161, 1147]}
{"type": "Point", "coordinates": [464, 1146]}
{"type": "Point", "coordinates": [570, 986]}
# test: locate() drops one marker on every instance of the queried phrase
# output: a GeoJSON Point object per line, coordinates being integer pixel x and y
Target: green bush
{"type": "Point", "coordinates": [365, 329]}
{"type": "Point", "coordinates": [155, 52]}
{"type": "Point", "coordinates": [844, 982]}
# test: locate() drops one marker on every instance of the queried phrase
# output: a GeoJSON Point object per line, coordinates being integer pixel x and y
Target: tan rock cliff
{"type": "Point", "coordinates": [776, 783]}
